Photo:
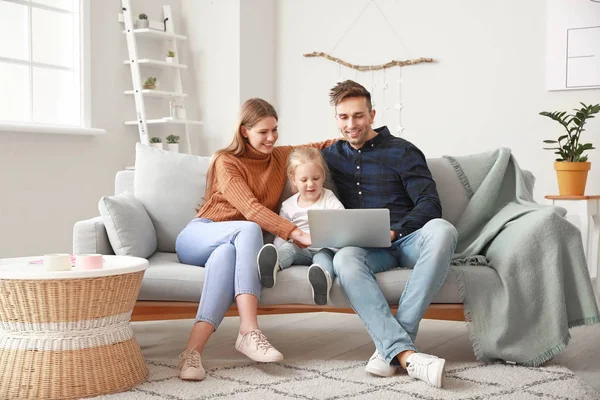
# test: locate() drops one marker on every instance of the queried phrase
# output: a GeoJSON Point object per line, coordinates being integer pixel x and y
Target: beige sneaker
{"type": "Point", "coordinates": [255, 346]}
{"type": "Point", "coordinates": [190, 366]}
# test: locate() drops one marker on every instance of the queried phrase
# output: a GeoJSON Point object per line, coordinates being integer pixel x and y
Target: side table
{"type": "Point", "coordinates": [66, 334]}
{"type": "Point", "coordinates": [584, 212]}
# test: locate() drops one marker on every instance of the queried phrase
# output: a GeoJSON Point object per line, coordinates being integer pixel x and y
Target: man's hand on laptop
{"type": "Point", "coordinates": [393, 236]}
{"type": "Point", "coordinates": [301, 238]}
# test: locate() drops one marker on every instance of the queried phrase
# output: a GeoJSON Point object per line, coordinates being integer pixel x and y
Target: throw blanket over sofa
{"type": "Point", "coordinates": [540, 286]}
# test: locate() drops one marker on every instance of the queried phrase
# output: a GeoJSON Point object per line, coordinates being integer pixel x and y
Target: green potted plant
{"type": "Point", "coordinates": [142, 22]}
{"type": "Point", "coordinates": [572, 164]}
{"type": "Point", "coordinates": [156, 142]}
{"type": "Point", "coordinates": [170, 56]}
{"type": "Point", "coordinates": [173, 143]}
{"type": "Point", "coordinates": [150, 83]}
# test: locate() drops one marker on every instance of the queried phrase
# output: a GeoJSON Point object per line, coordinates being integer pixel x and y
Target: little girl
{"type": "Point", "coordinates": [306, 171]}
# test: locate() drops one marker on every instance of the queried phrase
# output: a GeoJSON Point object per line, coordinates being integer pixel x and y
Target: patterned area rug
{"type": "Point", "coordinates": [347, 380]}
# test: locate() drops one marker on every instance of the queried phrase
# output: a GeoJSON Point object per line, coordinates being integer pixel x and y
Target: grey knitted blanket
{"type": "Point", "coordinates": [540, 286]}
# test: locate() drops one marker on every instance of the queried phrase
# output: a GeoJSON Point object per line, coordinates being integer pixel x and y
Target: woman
{"type": "Point", "coordinates": [244, 184]}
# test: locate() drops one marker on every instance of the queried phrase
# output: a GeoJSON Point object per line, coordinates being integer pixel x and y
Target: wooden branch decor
{"type": "Point", "coordinates": [393, 63]}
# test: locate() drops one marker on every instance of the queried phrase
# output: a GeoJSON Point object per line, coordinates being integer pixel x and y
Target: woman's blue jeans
{"type": "Point", "coordinates": [228, 252]}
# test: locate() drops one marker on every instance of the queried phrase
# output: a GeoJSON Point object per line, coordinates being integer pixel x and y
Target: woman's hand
{"type": "Point", "coordinates": [301, 238]}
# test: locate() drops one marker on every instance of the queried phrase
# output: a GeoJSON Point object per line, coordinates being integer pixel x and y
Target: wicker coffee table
{"type": "Point", "coordinates": [66, 334]}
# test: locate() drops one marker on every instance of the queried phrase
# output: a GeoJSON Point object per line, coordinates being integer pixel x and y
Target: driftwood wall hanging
{"type": "Point", "coordinates": [381, 82]}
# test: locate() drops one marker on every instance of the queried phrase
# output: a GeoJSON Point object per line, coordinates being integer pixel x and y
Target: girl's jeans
{"type": "Point", "coordinates": [290, 254]}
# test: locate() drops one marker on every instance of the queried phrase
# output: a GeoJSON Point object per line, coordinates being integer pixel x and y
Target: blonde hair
{"type": "Point", "coordinates": [304, 155]}
{"type": "Point", "coordinates": [251, 112]}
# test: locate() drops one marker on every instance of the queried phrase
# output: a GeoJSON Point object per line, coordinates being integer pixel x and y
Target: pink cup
{"type": "Point", "coordinates": [88, 261]}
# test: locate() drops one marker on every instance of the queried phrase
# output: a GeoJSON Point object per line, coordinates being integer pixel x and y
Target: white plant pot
{"type": "Point", "coordinates": [142, 23]}
{"type": "Point", "coordinates": [157, 145]}
{"type": "Point", "coordinates": [173, 147]}
{"type": "Point", "coordinates": [170, 60]}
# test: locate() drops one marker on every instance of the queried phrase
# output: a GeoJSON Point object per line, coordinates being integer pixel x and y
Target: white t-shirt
{"type": "Point", "coordinates": [291, 211]}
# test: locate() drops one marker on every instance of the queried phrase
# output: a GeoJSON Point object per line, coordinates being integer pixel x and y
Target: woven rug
{"type": "Point", "coordinates": [333, 379]}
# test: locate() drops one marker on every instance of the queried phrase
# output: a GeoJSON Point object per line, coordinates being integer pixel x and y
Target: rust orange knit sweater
{"type": "Point", "coordinates": [249, 187]}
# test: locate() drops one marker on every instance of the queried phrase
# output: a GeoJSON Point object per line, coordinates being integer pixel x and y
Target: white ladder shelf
{"type": "Point", "coordinates": [167, 32]}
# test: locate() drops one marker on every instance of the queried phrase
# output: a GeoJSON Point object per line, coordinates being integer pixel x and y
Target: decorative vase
{"type": "Point", "coordinates": [181, 111]}
{"type": "Point", "coordinates": [572, 177]}
{"type": "Point", "coordinates": [173, 147]}
{"type": "Point", "coordinates": [157, 145]}
{"type": "Point", "coordinates": [169, 60]}
{"type": "Point", "coordinates": [142, 23]}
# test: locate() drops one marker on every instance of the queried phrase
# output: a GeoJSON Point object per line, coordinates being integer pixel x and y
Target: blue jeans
{"type": "Point", "coordinates": [228, 252]}
{"type": "Point", "coordinates": [428, 252]}
{"type": "Point", "coordinates": [290, 254]}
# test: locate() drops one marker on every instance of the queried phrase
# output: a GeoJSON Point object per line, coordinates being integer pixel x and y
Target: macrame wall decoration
{"type": "Point", "coordinates": [385, 86]}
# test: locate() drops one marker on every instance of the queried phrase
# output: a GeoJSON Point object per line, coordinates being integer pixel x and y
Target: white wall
{"type": "Point", "coordinates": [47, 182]}
{"type": "Point", "coordinates": [232, 56]}
{"type": "Point", "coordinates": [214, 67]}
{"type": "Point", "coordinates": [258, 40]}
{"type": "Point", "coordinates": [484, 91]}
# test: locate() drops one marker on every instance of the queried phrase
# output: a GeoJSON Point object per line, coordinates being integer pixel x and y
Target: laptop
{"type": "Point", "coordinates": [362, 227]}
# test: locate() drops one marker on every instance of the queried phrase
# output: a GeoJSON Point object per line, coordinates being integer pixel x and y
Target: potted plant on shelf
{"type": "Point", "coordinates": [142, 22]}
{"type": "Point", "coordinates": [150, 83]}
{"type": "Point", "coordinates": [170, 56]}
{"type": "Point", "coordinates": [572, 165]}
{"type": "Point", "coordinates": [156, 142]}
{"type": "Point", "coordinates": [173, 143]}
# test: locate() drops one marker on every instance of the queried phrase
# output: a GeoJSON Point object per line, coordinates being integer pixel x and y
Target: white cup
{"type": "Point", "coordinates": [57, 262]}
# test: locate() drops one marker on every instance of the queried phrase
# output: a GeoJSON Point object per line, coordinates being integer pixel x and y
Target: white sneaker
{"type": "Point", "coordinates": [255, 346]}
{"type": "Point", "coordinates": [378, 366]}
{"type": "Point", "coordinates": [427, 368]}
{"type": "Point", "coordinates": [268, 265]}
{"type": "Point", "coordinates": [190, 366]}
{"type": "Point", "coordinates": [320, 282]}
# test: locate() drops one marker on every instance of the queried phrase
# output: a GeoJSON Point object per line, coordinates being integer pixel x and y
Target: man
{"type": "Point", "coordinates": [373, 169]}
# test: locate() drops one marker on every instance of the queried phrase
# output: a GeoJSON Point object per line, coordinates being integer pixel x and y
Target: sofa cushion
{"type": "Point", "coordinates": [128, 226]}
{"type": "Point", "coordinates": [170, 185]}
{"type": "Point", "coordinates": [453, 196]}
{"type": "Point", "coordinates": [167, 279]}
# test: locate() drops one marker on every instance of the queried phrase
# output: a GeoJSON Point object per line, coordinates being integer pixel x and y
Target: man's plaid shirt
{"type": "Point", "coordinates": [387, 172]}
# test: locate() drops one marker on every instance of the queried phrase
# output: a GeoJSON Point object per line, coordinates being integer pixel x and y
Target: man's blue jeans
{"type": "Point", "coordinates": [428, 252]}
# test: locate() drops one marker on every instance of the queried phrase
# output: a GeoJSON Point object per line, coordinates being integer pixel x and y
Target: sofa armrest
{"type": "Point", "coordinates": [89, 237]}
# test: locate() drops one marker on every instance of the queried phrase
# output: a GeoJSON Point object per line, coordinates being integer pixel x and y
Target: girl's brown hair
{"type": "Point", "coordinates": [251, 112]}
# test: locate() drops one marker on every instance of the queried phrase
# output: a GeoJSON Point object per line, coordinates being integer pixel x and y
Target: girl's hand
{"type": "Point", "coordinates": [301, 238]}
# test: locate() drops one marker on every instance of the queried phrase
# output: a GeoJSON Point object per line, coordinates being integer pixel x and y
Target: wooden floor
{"type": "Point", "coordinates": [342, 336]}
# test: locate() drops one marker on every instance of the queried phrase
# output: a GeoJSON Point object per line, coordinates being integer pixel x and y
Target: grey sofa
{"type": "Point", "coordinates": [171, 289]}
